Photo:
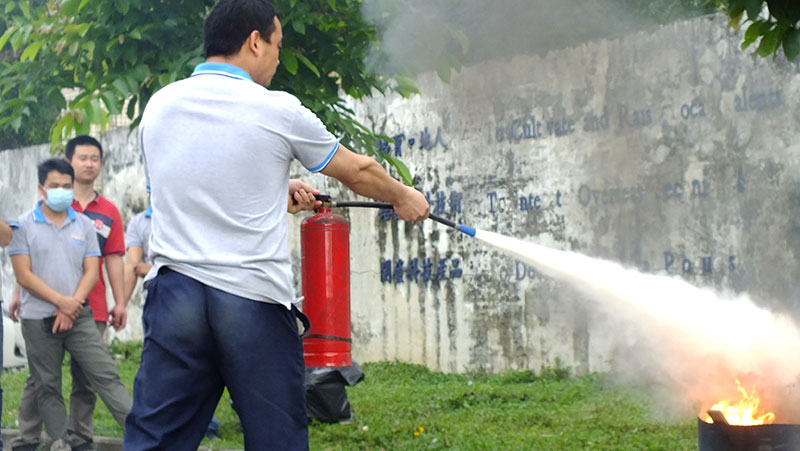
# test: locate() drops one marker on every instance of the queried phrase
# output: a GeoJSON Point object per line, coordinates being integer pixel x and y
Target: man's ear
{"type": "Point", "coordinates": [253, 41]}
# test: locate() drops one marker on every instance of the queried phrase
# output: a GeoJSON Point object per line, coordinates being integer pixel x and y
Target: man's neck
{"type": "Point", "coordinates": [84, 193]}
{"type": "Point", "coordinates": [233, 60]}
{"type": "Point", "coordinates": [56, 217]}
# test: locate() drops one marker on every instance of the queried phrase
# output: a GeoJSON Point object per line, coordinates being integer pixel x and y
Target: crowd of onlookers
{"type": "Point", "coordinates": [58, 250]}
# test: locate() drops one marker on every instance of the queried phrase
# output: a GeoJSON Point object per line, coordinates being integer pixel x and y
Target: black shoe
{"type": "Point", "coordinates": [85, 446]}
{"type": "Point", "coordinates": [212, 435]}
{"type": "Point", "coordinates": [26, 447]}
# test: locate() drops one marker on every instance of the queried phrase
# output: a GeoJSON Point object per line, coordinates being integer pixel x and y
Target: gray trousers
{"type": "Point", "coordinates": [92, 368]}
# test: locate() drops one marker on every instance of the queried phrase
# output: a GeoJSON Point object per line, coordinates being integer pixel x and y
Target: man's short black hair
{"type": "Point", "coordinates": [54, 164]}
{"type": "Point", "coordinates": [230, 22]}
{"type": "Point", "coordinates": [82, 140]}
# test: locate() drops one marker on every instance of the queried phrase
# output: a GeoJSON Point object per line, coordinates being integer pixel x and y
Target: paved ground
{"type": "Point", "coordinates": [102, 443]}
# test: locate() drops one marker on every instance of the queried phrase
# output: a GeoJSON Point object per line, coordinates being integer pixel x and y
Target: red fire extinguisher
{"type": "Point", "coordinates": [325, 244]}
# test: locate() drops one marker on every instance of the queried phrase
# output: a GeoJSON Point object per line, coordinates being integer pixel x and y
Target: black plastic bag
{"type": "Point", "coordinates": [326, 398]}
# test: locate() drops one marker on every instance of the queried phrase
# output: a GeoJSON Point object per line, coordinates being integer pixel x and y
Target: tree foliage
{"type": "Point", "coordinates": [114, 54]}
{"type": "Point", "coordinates": [772, 23]}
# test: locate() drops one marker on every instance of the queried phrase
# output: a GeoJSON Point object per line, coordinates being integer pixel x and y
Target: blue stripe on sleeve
{"type": "Point", "coordinates": [18, 251]}
{"type": "Point", "coordinates": [327, 159]}
{"type": "Point", "coordinates": [92, 254]}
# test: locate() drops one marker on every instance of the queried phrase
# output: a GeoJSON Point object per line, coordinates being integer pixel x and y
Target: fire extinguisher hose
{"type": "Point", "coordinates": [384, 205]}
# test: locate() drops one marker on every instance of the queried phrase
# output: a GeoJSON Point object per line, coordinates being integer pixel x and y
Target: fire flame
{"type": "Point", "coordinates": [745, 412]}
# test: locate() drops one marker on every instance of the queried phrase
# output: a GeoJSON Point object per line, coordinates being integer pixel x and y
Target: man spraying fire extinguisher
{"type": "Point", "coordinates": [219, 313]}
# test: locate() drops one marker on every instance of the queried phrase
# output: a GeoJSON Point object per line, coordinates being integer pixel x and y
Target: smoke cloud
{"type": "Point", "coordinates": [421, 35]}
{"type": "Point", "coordinates": [697, 342]}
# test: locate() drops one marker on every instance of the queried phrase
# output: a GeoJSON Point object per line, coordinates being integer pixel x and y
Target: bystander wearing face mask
{"type": "Point", "coordinates": [58, 199]}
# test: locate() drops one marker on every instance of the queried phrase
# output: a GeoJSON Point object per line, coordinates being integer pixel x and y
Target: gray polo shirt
{"type": "Point", "coordinates": [56, 254]}
{"type": "Point", "coordinates": [7, 215]}
{"type": "Point", "coordinates": [139, 233]}
{"type": "Point", "coordinates": [217, 149]}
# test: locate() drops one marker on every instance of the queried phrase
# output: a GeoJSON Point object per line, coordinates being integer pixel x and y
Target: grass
{"type": "Point", "coordinates": [407, 407]}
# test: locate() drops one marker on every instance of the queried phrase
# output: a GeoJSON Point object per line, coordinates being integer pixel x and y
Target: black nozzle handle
{"type": "Point", "coordinates": [386, 205]}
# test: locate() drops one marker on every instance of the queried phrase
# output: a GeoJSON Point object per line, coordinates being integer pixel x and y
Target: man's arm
{"type": "Point", "coordinates": [5, 233]}
{"type": "Point", "coordinates": [367, 177]}
{"type": "Point", "coordinates": [132, 258]}
{"type": "Point", "coordinates": [85, 285]}
{"type": "Point", "coordinates": [70, 305]}
{"type": "Point", "coordinates": [16, 304]}
{"type": "Point", "coordinates": [91, 268]}
{"type": "Point", "coordinates": [113, 251]}
{"type": "Point", "coordinates": [116, 277]}
{"type": "Point", "coordinates": [301, 196]}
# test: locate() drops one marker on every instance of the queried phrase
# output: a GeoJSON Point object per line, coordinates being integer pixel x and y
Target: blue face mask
{"type": "Point", "coordinates": [59, 198]}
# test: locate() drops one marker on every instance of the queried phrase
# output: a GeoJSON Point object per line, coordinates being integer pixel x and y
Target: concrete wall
{"type": "Point", "coordinates": [669, 150]}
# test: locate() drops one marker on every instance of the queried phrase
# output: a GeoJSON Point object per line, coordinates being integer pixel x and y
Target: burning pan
{"type": "Point", "coordinates": [766, 437]}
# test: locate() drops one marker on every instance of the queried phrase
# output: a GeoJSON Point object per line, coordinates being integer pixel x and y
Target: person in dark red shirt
{"type": "Point", "coordinates": [85, 154]}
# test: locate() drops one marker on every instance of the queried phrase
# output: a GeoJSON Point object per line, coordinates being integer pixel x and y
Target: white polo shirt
{"type": "Point", "coordinates": [217, 149]}
{"type": "Point", "coordinates": [139, 233]}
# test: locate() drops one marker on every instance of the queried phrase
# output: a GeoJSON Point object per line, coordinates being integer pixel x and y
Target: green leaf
{"type": "Point", "coordinates": [752, 33]}
{"type": "Point", "coordinates": [735, 13]}
{"type": "Point", "coordinates": [56, 133]}
{"type": "Point", "coordinates": [121, 88]}
{"type": "Point", "coordinates": [791, 44]}
{"type": "Point", "coordinates": [25, 8]}
{"type": "Point", "coordinates": [16, 123]}
{"type": "Point", "coordinates": [111, 102]}
{"type": "Point", "coordinates": [10, 7]}
{"type": "Point", "coordinates": [753, 8]}
{"type": "Point", "coordinates": [769, 43]}
{"type": "Point", "coordinates": [403, 172]}
{"type": "Point", "coordinates": [406, 87]}
{"type": "Point", "coordinates": [443, 69]}
{"type": "Point", "coordinates": [308, 64]}
{"type": "Point", "coordinates": [131, 107]}
{"type": "Point", "coordinates": [70, 7]}
{"type": "Point", "coordinates": [97, 111]}
{"type": "Point", "coordinates": [89, 47]}
{"type": "Point", "coordinates": [289, 59]}
{"type": "Point", "coordinates": [82, 29]}
{"type": "Point", "coordinates": [6, 36]}
{"type": "Point", "coordinates": [83, 3]}
{"type": "Point", "coordinates": [462, 39]}
{"type": "Point", "coordinates": [123, 6]}
{"type": "Point", "coordinates": [299, 27]}
{"type": "Point", "coordinates": [31, 51]}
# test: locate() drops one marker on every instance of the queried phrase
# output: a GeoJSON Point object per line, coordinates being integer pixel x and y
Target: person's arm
{"type": "Point", "coordinates": [116, 276]}
{"type": "Point", "coordinates": [16, 304]}
{"type": "Point", "coordinates": [88, 281]}
{"type": "Point", "coordinates": [301, 196]}
{"type": "Point", "coordinates": [113, 251]}
{"type": "Point", "coordinates": [5, 233]}
{"type": "Point", "coordinates": [91, 271]}
{"type": "Point", "coordinates": [132, 258]}
{"type": "Point", "coordinates": [367, 177]}
{"type": "Point", "coordinates": [70, 305]}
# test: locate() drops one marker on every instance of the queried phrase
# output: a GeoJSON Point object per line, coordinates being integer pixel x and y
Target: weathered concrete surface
{"type": "Point", "coordinates": [669, 150]}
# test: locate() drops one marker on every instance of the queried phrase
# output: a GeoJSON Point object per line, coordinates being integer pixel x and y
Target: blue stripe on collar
{"type": "Point", "coordinates": [38, 214]}
{"type": "Point", "coordinates": [149, 212]}
{"type": "Point", "coordinates": [224, 69]}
